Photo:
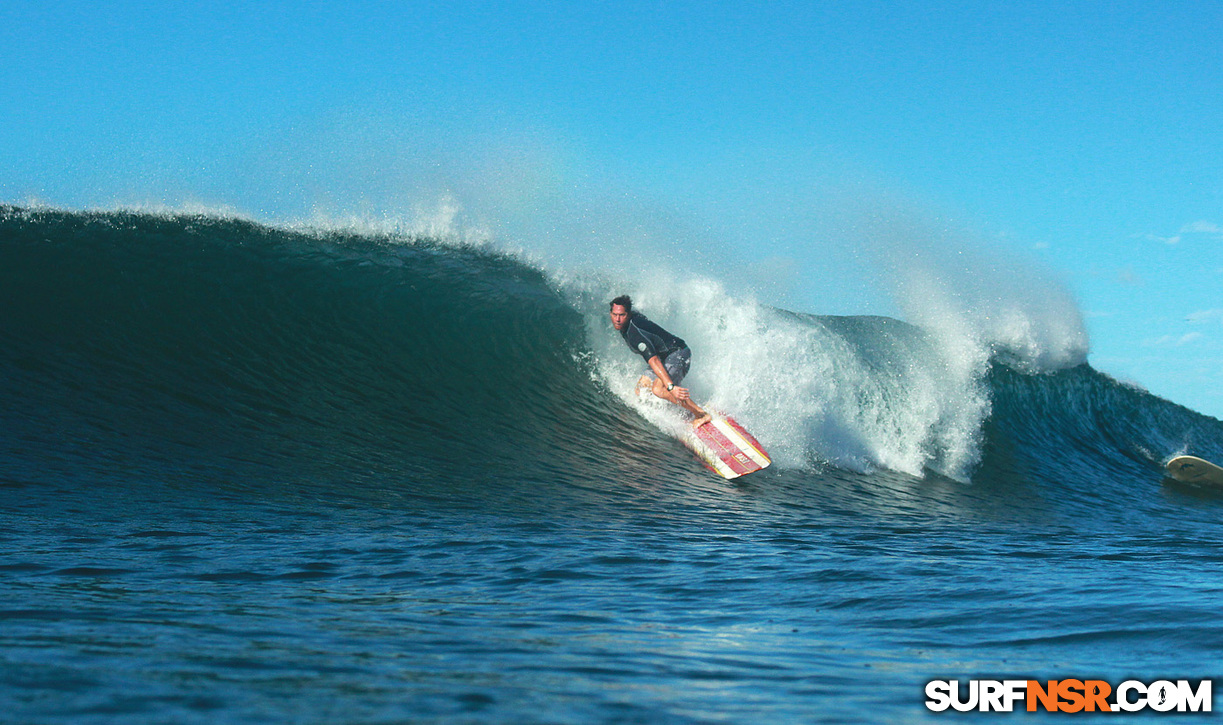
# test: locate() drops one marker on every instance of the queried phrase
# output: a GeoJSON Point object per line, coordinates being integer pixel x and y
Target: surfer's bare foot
{"type": "Point", "coordinates": [702, 420]}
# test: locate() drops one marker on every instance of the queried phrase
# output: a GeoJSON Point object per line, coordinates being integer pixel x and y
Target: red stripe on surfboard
{"type": "Point", "coordinates": [721, 447]}
{"type": "Point", "coordinates": [725, 450]}
{"type": "Point", "coordinates": [749, 438]}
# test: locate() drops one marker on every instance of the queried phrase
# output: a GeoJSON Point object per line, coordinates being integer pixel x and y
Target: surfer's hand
{"type": "Point", "coordinates": [680, 393]}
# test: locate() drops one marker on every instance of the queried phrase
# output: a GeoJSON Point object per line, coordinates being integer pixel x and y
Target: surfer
{"type": "Point", "coordinates": [667, 355]}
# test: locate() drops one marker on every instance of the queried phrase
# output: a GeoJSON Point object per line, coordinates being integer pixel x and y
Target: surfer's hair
{"type": "Point", "coordinates": [624, 301]}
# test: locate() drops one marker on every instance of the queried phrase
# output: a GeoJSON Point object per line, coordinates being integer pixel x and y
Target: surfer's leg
{"type": "Point", "coordinates": [701, 417]}
{"type": "Point", "coordinates": [677, 364]}
{"type": "Point", "coordinates": [676, 367]}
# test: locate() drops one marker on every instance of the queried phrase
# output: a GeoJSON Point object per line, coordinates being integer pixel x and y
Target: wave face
{"type": "Point", "coordinates": [224, 350]}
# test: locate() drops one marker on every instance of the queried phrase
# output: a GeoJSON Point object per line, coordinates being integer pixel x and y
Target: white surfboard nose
{"type": "Point", "coordinates": [1191, 469]}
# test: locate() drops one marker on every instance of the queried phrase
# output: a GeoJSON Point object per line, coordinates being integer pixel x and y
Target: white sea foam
{"type": "Point", "coordinates": [811, 393]}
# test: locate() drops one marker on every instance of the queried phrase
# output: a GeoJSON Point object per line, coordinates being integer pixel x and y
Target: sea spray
{"type": "Point", "coordinates": [978, 305]}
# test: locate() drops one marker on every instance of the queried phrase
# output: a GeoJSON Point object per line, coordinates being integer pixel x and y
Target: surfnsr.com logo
{"type": "Point", "coordinates": [1068, 696]}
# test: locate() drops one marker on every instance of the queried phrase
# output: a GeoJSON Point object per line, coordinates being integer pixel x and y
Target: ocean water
{"type": "Point", "coordinates": [253, 474]}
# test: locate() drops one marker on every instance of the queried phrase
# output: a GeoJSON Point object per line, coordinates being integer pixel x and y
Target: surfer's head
{"type": "Point", "coordinates": [621, 308]}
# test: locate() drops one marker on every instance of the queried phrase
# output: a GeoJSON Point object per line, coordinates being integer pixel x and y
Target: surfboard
{"type": "Point", "coordinates": [1191, 469]}
{"type": "Point", "coordinates": [726, 448]}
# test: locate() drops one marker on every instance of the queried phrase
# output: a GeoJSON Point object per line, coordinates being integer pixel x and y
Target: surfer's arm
{"type": "Point", "coordinates": [661, 373]}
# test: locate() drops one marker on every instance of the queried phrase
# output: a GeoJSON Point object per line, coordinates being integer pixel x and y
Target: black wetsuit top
{"type": "Point", "coordinates": [648, 339]}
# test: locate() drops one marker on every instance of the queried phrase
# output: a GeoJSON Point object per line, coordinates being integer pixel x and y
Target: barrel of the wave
{"type": "Point", "coordinates": [726, 447]}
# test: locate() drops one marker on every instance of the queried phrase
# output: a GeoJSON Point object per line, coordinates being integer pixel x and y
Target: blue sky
{"type": "Point", "coordinates": [1085, 139]}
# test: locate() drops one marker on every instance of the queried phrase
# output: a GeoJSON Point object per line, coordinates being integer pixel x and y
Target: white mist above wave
{"type": "Point", "coordinates": [981, 310]}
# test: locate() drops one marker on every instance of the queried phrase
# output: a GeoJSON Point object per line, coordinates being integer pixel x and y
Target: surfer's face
{"type": "Point", "coordinates": [619, 316]}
